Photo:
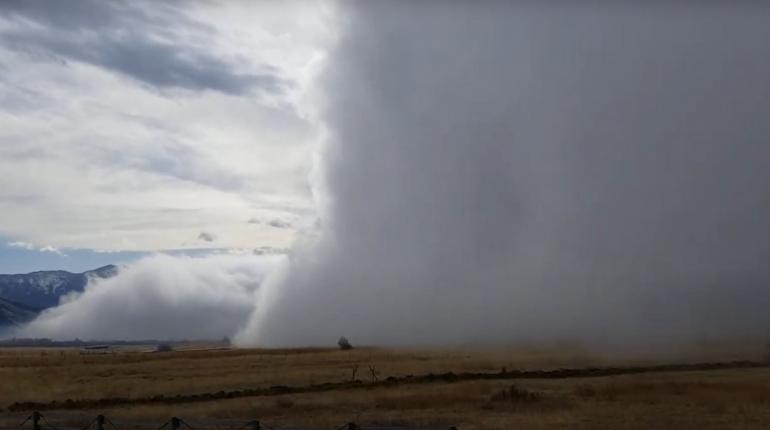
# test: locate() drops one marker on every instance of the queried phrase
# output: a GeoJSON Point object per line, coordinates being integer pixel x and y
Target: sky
{"type": "Point", "coordinates": [133, 127]}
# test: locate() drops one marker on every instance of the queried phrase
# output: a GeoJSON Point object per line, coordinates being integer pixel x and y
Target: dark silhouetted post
{"type": "Point", "coordinates": [36, 420]}
{"type": "Point", "coordinates": [175, 423]}
{"type": "Point", "coordinates": [100, 422]}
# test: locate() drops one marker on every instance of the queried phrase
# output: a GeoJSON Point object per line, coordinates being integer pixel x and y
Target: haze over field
{"type": "Point", "coordinates": [483, 172]}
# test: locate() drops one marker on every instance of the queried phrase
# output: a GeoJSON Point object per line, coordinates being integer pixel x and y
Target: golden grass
{"type": "Point", "coordinates": [736, 399]}
{"type": "Point", "coordinates": [63, 374]}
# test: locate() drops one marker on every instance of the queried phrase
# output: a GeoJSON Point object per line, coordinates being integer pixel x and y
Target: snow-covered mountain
{"type": "Point", "coordinates": [41, 290]}
{"type": "Point", "coordinates": [12, 314]}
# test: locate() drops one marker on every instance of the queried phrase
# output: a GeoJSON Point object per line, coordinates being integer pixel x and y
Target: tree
{"type": "Point", "coordinates": [344, 343]}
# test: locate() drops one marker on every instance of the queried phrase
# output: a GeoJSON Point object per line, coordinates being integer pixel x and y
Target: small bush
{"type": "Point", "coordinates": [514, 394]}
{"type": "Point", "coordinates": [344, 344]}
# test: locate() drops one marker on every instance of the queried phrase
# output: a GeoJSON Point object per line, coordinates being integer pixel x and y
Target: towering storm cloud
{"type": "Point", "coordinates": [508, 171]}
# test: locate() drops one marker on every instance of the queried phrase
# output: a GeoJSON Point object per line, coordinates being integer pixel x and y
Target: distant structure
{"type": "Point", "coordinates": [344, 344]}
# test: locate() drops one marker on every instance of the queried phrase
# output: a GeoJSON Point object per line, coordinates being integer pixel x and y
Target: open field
{"type": "Point", "coordinates": [689, 397]}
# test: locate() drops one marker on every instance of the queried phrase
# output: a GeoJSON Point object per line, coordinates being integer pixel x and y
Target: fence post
{"type": "Point", "coordinates": [36, 420]}
{"type": "Point", "coordinates": [100, 422]}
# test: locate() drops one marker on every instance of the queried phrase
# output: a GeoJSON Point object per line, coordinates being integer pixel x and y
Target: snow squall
{"type": "Point", "coordinates": [525, 171]}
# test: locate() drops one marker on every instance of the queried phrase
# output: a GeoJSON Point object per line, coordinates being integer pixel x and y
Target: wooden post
{"type": "Point", "coordinates": [36, 420]}
{"type": "Point", "coordinates": [100, 422]}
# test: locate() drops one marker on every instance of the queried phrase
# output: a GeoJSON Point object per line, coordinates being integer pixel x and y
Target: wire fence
{"type": "Point", "coordinates": [38, 421]}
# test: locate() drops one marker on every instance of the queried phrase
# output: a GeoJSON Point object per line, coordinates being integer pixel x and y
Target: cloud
{"type": "Point", "coordinates": [277, 223]}
{"type": "Point", "coordinates": [269, 250]}
{"type": "Point", "coordinates": [529, 171]}
{"type": "Point", "coordinates": [127, 38]}
{"type": "Point", "coordinates": [274, 222]}
{"type": "Point", "coordinates": [154, 120]}
{"type": "Point", "coordinates": [54, 250]}
{"type": "Point", "coordinates": [161, 297]}
{"type": "Point", "coordinates": [22, 245]}
{"type": "Point", "coordinates": [207, 237]}
{"type": "Point", "coordinates": [32, 247]}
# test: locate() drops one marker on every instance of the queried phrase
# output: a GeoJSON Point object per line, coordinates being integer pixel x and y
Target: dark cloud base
{"type": "Point", "coordinates": [133, 39]}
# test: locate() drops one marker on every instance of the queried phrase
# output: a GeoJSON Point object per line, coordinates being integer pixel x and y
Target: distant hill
{"type": "Point", "coordinates": [12, 314]}
{"type": "Point", "coordinates": [42, 290]}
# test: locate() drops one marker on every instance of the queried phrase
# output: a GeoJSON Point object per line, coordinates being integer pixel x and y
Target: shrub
{"type": "Point", "coordinates": [344, 344]}
{"type": "Point", "coordinates": [514, 394]}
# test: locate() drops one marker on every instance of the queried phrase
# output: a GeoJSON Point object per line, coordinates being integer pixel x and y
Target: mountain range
{"type": "Point", "coordinates": [23, 296]}
{"type": "Point", "coordinates": [15, 313]}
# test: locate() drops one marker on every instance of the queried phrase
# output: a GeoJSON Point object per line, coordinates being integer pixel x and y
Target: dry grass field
{"type": "Point", "coordinates": [708, 399]}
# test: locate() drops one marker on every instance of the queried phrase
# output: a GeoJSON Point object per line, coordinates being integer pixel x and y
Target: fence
{"type": "Point", "coordinates": [38, 421]}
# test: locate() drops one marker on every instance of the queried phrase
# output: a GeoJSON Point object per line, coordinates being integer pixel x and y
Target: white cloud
{"type": "Point", "coordinates": [22, 245]}
{"type": "Point", "coordinates": [161, 297]}
{"type": "Point", "coordinates": [51, 249]}
{"type": "Point", "coordinates": [32, 247]}
{"type": "Point", "coordinates": [97, 154]}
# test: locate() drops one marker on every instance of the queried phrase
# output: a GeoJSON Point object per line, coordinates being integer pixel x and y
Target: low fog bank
{"type": "Point", "coordinates": [161, 297]}
{"type": "Point", "coordinates": [534, 171]}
